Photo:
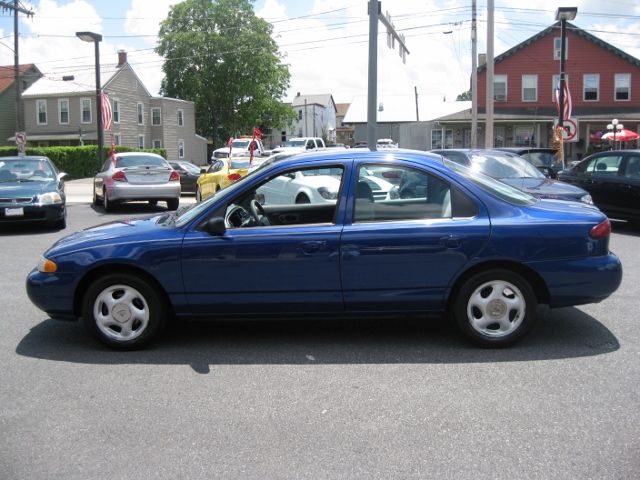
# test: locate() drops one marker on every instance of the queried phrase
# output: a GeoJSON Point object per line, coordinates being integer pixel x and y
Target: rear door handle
{"type": "Point", "coordinates": [451, 241]}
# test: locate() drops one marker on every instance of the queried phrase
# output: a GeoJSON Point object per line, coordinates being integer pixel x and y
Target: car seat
{"type": "Point", "coordinates": [364, 202]}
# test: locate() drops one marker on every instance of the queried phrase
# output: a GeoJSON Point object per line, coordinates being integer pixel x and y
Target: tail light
{"type": "Point", "coordinates": [119, 176]}
{"type": "Point", "coordinates": [234, 177]}
{"type": "Point", "coordinates": [175, 176]}
{"type": "Point", "coordinates": [602, 230]}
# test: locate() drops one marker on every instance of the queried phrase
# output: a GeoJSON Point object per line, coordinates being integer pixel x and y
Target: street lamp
{"type": "Point", "coordinates": [615, 127]}
{"type": "Point", "coordinates": [563, 14]}
{"type": "Point", "coordinates": [96, 38]}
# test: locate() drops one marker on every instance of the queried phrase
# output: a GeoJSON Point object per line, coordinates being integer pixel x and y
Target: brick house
{"type": "Point", "coordinates": [603, 80]}
{"type": "Point", "coordinates": [62, 111]}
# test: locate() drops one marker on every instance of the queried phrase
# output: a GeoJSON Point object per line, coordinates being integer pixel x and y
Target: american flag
{"type": "Point", "coordinates": [567, 100]}
{"type": "Point", "coordinates": [107, 111]}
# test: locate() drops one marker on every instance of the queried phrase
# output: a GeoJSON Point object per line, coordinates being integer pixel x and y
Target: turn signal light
{"type": "Point", "coordinates": [47, 266]}
{"type": "Point", "coordinates": [175, 176]}
{"type": "Point", "coordinates": [602, 230]}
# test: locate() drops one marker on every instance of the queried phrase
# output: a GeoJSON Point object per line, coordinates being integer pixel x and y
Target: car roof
{"type": "Point", "coordinates": [25, 157]}
{"type": "Point", "coordinates": [520, 150]}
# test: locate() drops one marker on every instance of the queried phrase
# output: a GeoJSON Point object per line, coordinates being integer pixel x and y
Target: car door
{"type": "Point", "coordinates": [625, 189]}
{"type": "Point", "coordinates": [261, 268]}
{"type": "Point", "coordinates": [401, 253]}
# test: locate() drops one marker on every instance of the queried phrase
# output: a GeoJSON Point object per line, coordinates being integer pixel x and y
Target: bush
{"type": "Point", "coordinates": [77, 162]}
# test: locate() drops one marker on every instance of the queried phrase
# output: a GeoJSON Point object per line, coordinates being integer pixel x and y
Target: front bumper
{"type": "Point", "coordinates": [52, 293]}
{"type": "Point", "coordinates": [32, 213]}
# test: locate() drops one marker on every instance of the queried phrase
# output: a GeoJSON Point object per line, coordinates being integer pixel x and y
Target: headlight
{"type": "Point", "coordinates": [327, 194]}
{"type": "Point", "coordinates": [49, 198]}
{"type": "Point", "coordinates": [586, 199]}
{"type": "Point", "coordinates": [47, 266]}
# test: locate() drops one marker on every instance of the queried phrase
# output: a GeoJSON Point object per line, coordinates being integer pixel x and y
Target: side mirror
{"type": "Point", "coordinates": [203, 170]}
{"type": "Point", "coordinates": [215, 226]}
{"type": "Point", "coordinates": [62, 176]}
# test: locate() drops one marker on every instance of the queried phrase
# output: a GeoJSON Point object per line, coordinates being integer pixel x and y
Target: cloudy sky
{"type": "Point", "coordinates": [324, 42]}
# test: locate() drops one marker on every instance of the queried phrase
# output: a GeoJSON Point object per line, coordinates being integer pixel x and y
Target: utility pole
{"type": "Point", "coordinates": [488, 138]}
{"type": "Point", "coordinates": [474, 77]}
{"type": "Point", "coordinates": [374, 11]}
{"type": "Point", "coordinates": [16, 7]}
{"type": "Point", "coordinates": [415, 89]}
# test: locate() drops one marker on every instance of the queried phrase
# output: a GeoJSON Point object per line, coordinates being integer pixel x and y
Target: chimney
{"type": "Point", "coordinates": [122, 58]}
{"type": "Point", "coordinates": [298, 94]}
{"type": "Point", "coordinates": [482, 59]}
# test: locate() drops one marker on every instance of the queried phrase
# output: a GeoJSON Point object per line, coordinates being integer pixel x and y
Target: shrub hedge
{"type": "Point", "coordinates": [77, 162]}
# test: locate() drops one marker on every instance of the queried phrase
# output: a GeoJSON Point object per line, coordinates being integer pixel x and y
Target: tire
{"type": "Point", "coordinates": [123, 312]}
{"type": "Point", "coordinates": [198, 195]}
{"type": "Point", "coordinates": [302, 198]}
{"type": "Point", "coordinates": [96, 200]}
{"type": "Point", "coordinates": [495, 308]}
{"type": "Point", "coordinates": [173, 203]}
{"type": "Point", "coordinates": [153, 203]}
{"type": "Point", "coordinates": [108, 206]}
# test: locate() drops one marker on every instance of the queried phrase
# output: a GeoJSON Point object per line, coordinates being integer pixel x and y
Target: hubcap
{"type": "Point", "coordinates": [121, 312]}
{"type": "Point", "coordinates": [496, 308]}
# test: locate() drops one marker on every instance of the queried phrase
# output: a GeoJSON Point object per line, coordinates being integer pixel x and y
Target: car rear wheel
{"type": "Point", "coordinates": [108, 207]}
{"type": "Point", "coordinates": [123, 312]}
{"type": "Point", "coordinates": [198, 195]}
{"type": "Point", "coordinates": [173, 203]}
{"type": "Point", "coordinates": [97, 201]}
{"type": "Point", "coordinates": [495, 308]}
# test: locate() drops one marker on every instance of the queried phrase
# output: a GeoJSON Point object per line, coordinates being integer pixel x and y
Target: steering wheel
{"type": "Point", "coordinates": [257, 211]}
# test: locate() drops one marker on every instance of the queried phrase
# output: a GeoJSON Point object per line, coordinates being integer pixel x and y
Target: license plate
{"type": "Point", "coordinates": [14, 212]}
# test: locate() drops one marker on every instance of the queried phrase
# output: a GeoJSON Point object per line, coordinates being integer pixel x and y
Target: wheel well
{"type": "Point", "coordinates": [301, 194]}
{"type": "Point", "coordinates": [96, 273]}
{"type": "Point", "coordinates": [537, 283]}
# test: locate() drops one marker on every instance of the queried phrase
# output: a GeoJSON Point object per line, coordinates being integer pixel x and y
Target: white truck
{"type": "Point", "coordinates": [301, 144]}
{"type": "Point", "coordinates": [239, 148]}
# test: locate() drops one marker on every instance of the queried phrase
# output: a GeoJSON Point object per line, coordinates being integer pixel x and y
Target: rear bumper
{"type": "Point", "coordinates": [122, 191]}
{"type": "Point", "coordinates": [585, 280]}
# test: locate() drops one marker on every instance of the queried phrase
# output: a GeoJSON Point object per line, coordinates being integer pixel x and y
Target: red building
{"type": "Point", "coordinates": [604, 83]}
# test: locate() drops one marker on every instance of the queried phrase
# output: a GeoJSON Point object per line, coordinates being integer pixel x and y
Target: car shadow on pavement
{"type": "Point", "coordinates": [625, 228]}
{"type": "Point", "coordinates": [561, 333]}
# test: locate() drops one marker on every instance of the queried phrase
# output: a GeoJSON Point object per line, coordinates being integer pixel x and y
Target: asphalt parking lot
{"type": "Point", "coordinates": [322, 399]}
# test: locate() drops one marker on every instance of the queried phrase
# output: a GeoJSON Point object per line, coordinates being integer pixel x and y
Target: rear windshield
{"type": "Point", "coordinates": [139, 161]}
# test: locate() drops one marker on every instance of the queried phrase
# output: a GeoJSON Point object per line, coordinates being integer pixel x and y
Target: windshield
{"type": "Point", "coordinates": [240, 143]}
{"type": "Point", "coordinates": [140, 160]}
{"type": "Point", "coordinates": [243, 163]}
{"type": "Point", "coordinates": [25, 170]}
{"type": "Point", "coordinates": [499, 166]}
{"type": "Point", "coordinates": [494, 187]}
{"type": "Point", "coordinates": [295, 143]}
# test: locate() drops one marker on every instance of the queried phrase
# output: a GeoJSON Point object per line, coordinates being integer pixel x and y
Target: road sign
{"type": "Point", "coordinates": [570, 127]}
{"type": "Point", "coordinates": [21, 142]}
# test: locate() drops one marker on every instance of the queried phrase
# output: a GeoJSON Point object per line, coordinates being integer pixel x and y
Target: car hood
{"type": "Point", "coordinates": [111, 233]}
{"type": "Point", "coordinates": [545, 187]}
{"type": "Point", "coordinates": [288, 149]}
{"type": "Point", "coordinates": [26, 189]}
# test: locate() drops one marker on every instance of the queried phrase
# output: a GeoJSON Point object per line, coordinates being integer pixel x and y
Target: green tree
{"type": "Point", "coordinates": [219, 55]}
{"type": "Point", "coordinates": [464, 96]}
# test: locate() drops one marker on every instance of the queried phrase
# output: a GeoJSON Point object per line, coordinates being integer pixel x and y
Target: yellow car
{"type": "Point", "coordinates": [219, 175]}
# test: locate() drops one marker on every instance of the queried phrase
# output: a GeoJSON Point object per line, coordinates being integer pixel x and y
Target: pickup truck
{"type": "Point", "coordinates": [301, 144]}
{"type": "Point", "coordinates": [239, 148]}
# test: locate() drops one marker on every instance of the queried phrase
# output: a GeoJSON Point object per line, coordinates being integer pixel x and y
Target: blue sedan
{"type": "Point", "coordinates": [463, 244]}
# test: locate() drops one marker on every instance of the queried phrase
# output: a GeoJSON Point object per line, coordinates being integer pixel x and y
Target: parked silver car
{"type": "Point", "coordinates": [131, 176]}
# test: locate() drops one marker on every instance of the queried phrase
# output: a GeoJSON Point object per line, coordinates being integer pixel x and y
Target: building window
{"type": "Point", "coordinates": [140, 114]}
{"type": "Point", "coordinates": [140, 141]}
{"type": "Point", "coordinates": [529, 88]}
{"type": "Point", "coordinates": [85, 107]}
{"type": "Point", "coordinates": [524, 136]}
{"type": "Point", "coordinates": [557, 46]}
{"type": "Point", "coordinates": [438, 141]}
{"type": "Point", "coordinates": [500, 88]}
{"type": "Point", "coordinates": [299, 114]}
{"type": "Point", "coordinates": [157, 143]}
{"type": "Point", "coordinates": [156, 119]}
{"type": "Point", "coordinates": [63, 109]}
{"type": "Point", "coordinates": [555, 83]}
{"type": "Point", "coordinates": [180, 118]}
{"type": "Point", "coordinates": [591, 87]}
{"type": "Point", "coordinates": [623, 86]}
{"type": "Point", "coordinates": [180, 148]}
{"type": "Point", "coordinates": [283, 136]}
{"type": "Point", "coordinates": [41, 111]}
{"type": "Point", "coordinates": [117, 139]}
{"type": "Point", "coordinates": [116, 111]}
{"type": "Point", "coordinates": [498, 136]}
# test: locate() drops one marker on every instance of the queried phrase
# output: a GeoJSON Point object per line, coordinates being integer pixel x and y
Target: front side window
{"type": "Point", "coordinates": [591, 87]}
{"type": "Point", "coordinates": [622, 86]}
{"type": "Point", "coordinates": [85, 107]}
{"type": "Point", "coordinates": [41, 111]}
{"type": "Point", "coordinates": [606, 165]}
{"type": "Point", "coordinates": [529, 88]}
{"type": "Point", "coordinates": [398, 193]}
{"type": "Point", "coordinates": [63, 109]}
{"type": "Point", "coordinates": [500, 88]}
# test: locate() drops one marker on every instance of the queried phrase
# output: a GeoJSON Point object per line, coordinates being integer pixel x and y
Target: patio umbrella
{"type": "Point", "coordinates": [623, 135]}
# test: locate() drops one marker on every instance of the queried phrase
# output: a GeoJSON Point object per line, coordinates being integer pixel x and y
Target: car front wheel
{"type": "Point", "coordinates": [495, 308]}
{"type": "Point", "coordinates": [123, 312]}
